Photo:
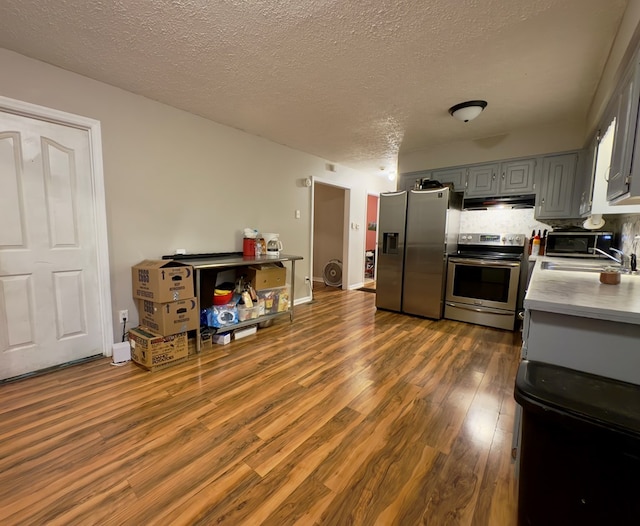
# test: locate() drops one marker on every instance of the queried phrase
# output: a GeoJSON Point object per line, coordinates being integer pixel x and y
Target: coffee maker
{"type": "Point", "coordinates": [273, 244]}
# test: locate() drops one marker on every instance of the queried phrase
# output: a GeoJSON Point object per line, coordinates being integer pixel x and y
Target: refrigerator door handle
{"type": "Point", "coordinates": [479, 309]}
{"type": "Point", "coordinates": [485, 262]}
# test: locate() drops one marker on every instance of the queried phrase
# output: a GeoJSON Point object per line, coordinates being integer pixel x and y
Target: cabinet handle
{"type": "Point", "coordinates": [493, 176]}
{"type": "Point", "coordinates": [503, 176]}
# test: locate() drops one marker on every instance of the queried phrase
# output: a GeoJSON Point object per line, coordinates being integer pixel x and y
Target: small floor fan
{"type": "Point", "coordinates": [332, 273]}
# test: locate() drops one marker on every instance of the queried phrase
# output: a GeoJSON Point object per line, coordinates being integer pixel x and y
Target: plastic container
{"type": "Point", "coordinates": [249, 246]}
{"type": "Point", "coordinates": [275, 300]}
{"type": "Point", "coordinates": [248, 313]}
{"type": "Point", "coordinates": [580, 448]}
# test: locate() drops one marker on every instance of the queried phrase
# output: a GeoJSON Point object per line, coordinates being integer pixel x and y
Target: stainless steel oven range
{"type": "Point", "coordinates": [483, 279]}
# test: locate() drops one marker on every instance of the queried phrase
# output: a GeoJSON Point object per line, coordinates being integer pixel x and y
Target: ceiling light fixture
{"type": "Point", "coordinates": [467, 111]}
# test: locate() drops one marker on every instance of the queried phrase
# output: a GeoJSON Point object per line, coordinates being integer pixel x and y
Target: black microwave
{"type": "Point", "coordinates": [578, 244]}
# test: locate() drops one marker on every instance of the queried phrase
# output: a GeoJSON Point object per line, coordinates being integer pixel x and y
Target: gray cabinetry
{"type": "Point", "coordinates": [517, 177]}
{"type": "Point", "coordinates": [624, 139]}
{"type": "Point", "coordinates": [455, 176]}
{"type": "Point", "coordinates": [555, 197]}
{"type": "Point", "coordinates": [407, 181]}
{"type": "Point", "coordinates": [482, 180]}
{"type": "Point", "coordinates": [585, 181]}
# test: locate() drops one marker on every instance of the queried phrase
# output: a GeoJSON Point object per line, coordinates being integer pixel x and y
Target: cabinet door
{"type": "Point", "coordinates": [554, 201]}
{"type": "Point", "coordinates": [407, 181]}
{"type": "Point", "coordinates": [517, 177]}
{"type": "Point", "coordinates": [456, 176]}
{"type": "Point", "coordinates": [482, 181]}
{"type": "Point", "coordinates": [584, 184]}
{"type": "Point", "coordinates": [624, 140]}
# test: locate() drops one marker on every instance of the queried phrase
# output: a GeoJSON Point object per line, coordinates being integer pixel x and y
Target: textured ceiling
{"type": "Point", "coordinates": [352, 82]}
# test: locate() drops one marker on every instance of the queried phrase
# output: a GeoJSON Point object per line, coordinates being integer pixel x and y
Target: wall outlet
{"type": "Point", "coordinates": [123, 315]}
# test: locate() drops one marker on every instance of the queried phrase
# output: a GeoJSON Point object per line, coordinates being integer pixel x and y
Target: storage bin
{"type": "Point", "coordinates": [580, 449]}
{"type": "Point", "coordinates": [275, 300]}
{"type": "Point", "coordinates": [248, 313]}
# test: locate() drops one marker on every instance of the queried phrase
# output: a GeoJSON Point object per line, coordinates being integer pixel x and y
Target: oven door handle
{"type": "Point", "coordinates": [479, 309]}
{"type": "Point", "coordinates": [485, 262]}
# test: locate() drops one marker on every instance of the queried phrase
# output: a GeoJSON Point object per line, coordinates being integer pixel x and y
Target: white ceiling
{"type": "Point", "coordinates": [352, 82]}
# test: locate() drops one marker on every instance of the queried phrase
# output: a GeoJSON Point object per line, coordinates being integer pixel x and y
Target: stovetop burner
{"type": "Point", "coordinates": [491, 246]}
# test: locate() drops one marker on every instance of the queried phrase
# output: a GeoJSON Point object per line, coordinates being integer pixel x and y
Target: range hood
{"type": "Point", "coordinates": [512, 201]}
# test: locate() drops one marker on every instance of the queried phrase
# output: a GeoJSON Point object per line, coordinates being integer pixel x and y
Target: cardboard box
{"type": "Point", "coordinates": [206, 343]}
{"type": "Point", "coordinates": [153, 350]}
{"type": "Point", "coordinates": [267, 276]}
{"type": "Point", "coordinates": [244, 332]}
{"type": "Point", "coordinates": [221, 339]}
{"type": "Point", "coordinates": [162, 280]}
{"type": "Point", "coordinates": [169, 318]}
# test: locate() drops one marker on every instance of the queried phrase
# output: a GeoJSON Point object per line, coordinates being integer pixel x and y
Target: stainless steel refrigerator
{"type": "Point", "coordinates": [416, 232]}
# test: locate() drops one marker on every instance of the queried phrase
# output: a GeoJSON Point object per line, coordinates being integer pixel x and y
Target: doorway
{"type": "Point", "coordinates": [54, 286]}
{"type": "Point", "coordinates": [371, 242]}
{"type": "Point", "coordinates": [329, 212]}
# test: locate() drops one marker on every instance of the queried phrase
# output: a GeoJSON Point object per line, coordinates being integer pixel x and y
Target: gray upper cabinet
{"type": "Point", "coordinates": [555, 198]}
{"type": "Point", "coordinates": [517, 177]}
{"type": "Point", "coordinates": [624, 139]}
{"type": "Point", "coordinates": [407, 181]}
{"type": "Point", "coordinates": [455, 176]}
{"type": "Point", "coordinates": [507, 178]}
{"type": "Point", "coordinates": [585, 181]}
{"type": "Point", "coordinates": [482, 180]}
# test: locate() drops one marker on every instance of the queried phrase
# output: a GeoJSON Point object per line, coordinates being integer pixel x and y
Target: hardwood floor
{"type": "Point", "coordinates": [346, 416]}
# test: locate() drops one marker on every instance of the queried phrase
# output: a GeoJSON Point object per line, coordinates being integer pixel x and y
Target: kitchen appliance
{"type": "Point", "coordinates": [516, 202]}
{"type": "Point", "coordinates": [273, 243]}
{"type": "Point", "coordinates": [483, 279]}
{"type": "Point", "coordinates": [578, 243]}
{"type": "Point", "coordinates": [416, 231]}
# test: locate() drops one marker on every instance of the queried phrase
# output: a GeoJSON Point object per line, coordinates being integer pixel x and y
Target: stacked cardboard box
{"type": "Point", "coordinates": [167, 309]}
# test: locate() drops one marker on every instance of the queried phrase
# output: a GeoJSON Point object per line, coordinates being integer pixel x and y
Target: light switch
{"type": "Point", "coordinates": [297, 214]}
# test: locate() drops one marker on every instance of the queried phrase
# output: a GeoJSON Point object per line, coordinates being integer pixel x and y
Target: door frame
{"type": "Point", "coordinates": [345, 226]}
{"type": "Point", "coordinates": [375, 250]}
{"type": "Point", "coordinates": [92, 127]}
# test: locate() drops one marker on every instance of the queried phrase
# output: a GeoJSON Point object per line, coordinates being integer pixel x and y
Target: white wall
{"type": "Point", "coordinates": [175, 180]}
{"type": "Point", "coordinates": [559, 137]}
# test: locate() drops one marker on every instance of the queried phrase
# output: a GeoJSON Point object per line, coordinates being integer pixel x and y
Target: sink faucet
{"type": "Point", "coordinates": [618, 261]}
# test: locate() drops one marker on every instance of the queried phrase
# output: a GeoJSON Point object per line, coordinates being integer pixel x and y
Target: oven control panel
{"type": "Point", "coordinates": [493, 240]}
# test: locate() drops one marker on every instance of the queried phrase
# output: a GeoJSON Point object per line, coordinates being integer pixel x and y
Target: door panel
{"type": "Point", "coordinates": [518, 177]}
{"type": "Point", "coordinates": [425, 261]}
{"type": "Point", "coordinates": [391, 238]}
{"type": "Point", "coordinates": [49, 304]}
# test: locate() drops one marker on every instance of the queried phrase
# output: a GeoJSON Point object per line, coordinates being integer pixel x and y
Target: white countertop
{"type": "Point", "coordinates": [582, 294]}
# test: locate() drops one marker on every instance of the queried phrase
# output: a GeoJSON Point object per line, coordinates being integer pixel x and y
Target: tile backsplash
{"type": "Point", "coordinates": [629, 229]}
{"type": "Point", "coordinates": [500, 221]}
{"type": "Point", "coordinates": [523, 222]}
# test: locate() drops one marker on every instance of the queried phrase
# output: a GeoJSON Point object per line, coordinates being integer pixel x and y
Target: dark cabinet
{"type": "Point", "coordinates": [407, 181]}
{"type": "Point", "coordinates": [518, 177]}
{"type": "Point", "coordinates": [482, 180]}
{"type": "Point", "coordinates": [455, 176]}
{"type": "Point", "coordinates": [555, 197]}
{"type": "Point", "coordinates": [624, 139]}
{"type": "Point", "coordinates": [515, 177]}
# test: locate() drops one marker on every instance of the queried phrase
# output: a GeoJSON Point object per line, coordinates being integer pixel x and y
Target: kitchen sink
{"type": "Point", "coordinates": [572, 267]}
